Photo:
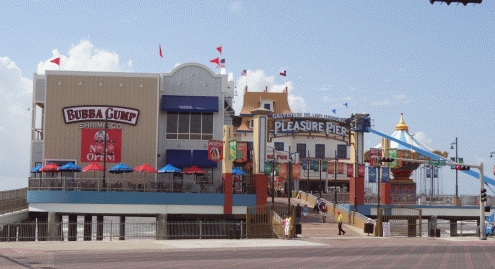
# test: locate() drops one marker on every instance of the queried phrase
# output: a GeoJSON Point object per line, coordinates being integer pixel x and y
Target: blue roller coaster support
{"type": "Point", "coordinates": [431, 155]}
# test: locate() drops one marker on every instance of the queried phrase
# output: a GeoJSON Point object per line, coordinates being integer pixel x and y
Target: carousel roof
{"type": "Point", "coordinates": [402, 133]}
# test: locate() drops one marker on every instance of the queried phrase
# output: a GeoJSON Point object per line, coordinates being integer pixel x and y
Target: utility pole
{"type": "Point", "coordinates": [273, 178]}
{"type": "Point", "coordinates": [456, 172]}
{"type": "Point", "coordinates": [335, 173]}
{"type": "Point", "coordinates": [104, 182]}
{"type": "Point", "coordinates": [482, 206]}
{"type": "Point", "coordinates": [289, 192]}
{"type": "Point", "coordinates": [320, 177]}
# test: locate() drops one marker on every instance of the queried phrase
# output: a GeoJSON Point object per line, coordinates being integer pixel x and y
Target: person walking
{"type": "Point", "coordinates": [324, 212]}
{"type": "Point", "coordinates": [286, 224]}
{"type": "Point", "coordinates": [305, 213]}
{"type": "Point", "coordinates": [340, 224]}
{"type": "Point", "coordinates": [298, 213]}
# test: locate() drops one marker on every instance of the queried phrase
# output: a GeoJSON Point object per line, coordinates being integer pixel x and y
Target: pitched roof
{"type": "Point", "coordinates": [252, 101]}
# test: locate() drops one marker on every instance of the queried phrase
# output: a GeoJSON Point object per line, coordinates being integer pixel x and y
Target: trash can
{"type": "Point", "coordinates": [298, 228]}
{"type": "Point", "coordinates": [368, 228]}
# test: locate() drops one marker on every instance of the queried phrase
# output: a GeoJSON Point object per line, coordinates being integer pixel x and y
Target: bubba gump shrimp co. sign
{"type": "Point", "coordinates": [99, 113]}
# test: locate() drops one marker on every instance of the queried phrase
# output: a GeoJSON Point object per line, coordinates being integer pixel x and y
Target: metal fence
{"type": "Point", "coordinates": [399, 227]}
{"type": "Point", "coordinates": [7, 206]}
{"type": "Point", "coordinates": [110, 231]}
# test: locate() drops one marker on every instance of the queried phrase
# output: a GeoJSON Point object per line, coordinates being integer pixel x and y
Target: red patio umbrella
{"type": "Point", "coordinates": [193, 170]}
{"type": "Point", "coordinates": [145, 168]}
{"type": "Point", "coordinates": [93, 167]}
{"type": "Point", "coordinates": [50, 168]}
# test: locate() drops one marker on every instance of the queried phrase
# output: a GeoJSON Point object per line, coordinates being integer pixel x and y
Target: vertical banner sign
{"type": "Point", "coordinates": [461, 160]}
{"type": "Point", "coordinates": [296, 171]}
{"type": "Point", "coordinates": [341, 168]}
{"type": "Point", "coordinates": [350, 170]}
{"type": "Point", "coordinates": [215, 150]}
{"type": "Point", "coordinates": [385, 174]}
{"type": "Point", "coordinates": [268, 168]}
{"type": "Point", "coordinates": [428, 173]}
{"type": "Point", "coordinates": [305, 164]}
{"type": "Point", "coordinates": [435, 172]}
{"type": "Point", "coordinates": [242, 152]}
{"type": "Point", "coordinates": [374, 152]}
{"type": "Point", "coordinates": [276, 169]}
{"type": "Point", "coordinates": [93, 144]}
{"type": "Point", "coordinates": [324, 166]}
{"type": "Point", "coordinates": [282, 170]}
{"type": "Point", "coordinates": [392, 153]}
{"type": "Point", "coordinates": [331, 168]}
{"type": "Point", "coordinates": [262, 143]}
{"type": "Point", "coordinates": [233, 150]}
{"type": "Point", "coordinates": [361, 170]}
{"type": "Point", "coordinates": [315, 165]}
{"type": "Point", "coordinates": [372, 174]}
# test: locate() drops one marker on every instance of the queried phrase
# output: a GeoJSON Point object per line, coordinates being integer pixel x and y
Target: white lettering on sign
{"type": "Point", "coordinates": [99, 113]}
{"type": "Point", "coordinates": [306, 115]}
{"type": "Point", "coordinates": [309, 126]}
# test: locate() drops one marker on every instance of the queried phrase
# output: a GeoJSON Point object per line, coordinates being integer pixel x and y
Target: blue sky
{"type": "Point", "coordinates": [434, 63]}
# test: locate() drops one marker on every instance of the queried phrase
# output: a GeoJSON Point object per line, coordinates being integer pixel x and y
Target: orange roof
{"type": "Point", "coordinates": [252, 101]}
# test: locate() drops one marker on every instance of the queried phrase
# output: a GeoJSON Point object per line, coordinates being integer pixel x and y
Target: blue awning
{"type": "Point", "coordinates": [181, 103]}
{"type": "Point", "coordinates": [178, 157]}
{"type": "Point", "coordinates": [200, 159]}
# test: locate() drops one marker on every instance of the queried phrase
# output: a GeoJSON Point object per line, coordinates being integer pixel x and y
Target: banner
{"type": "Point", "coordinates": [305, 164]}
{"type": "Point", "coordinates": [268, 168]}
{"type": "Point", "coordinates": [242, 152]}
{"type": "Point", "coordinates": [350, 169]}
{"type": "Point", "coordinates": [392, 153]}
{"type": "Point", "coordinates": [315, 165]}
{"type": "Point", "coordinates": [296, 171]}
{"type": "Point", "coordinates": [93, 144]}
{"type": "Point", "coordinates": [233, 150]}
{"type": "Point", "coordinates": [340, 168]}
{"type": "Point", "coordinates": [215, 150]}
{"type": "Point", "coordinates": [385, 174]}
{"type": "Point", "coordinates": [283, 170]}
{"type": "Point", "coordinates": [324, 166]}
{"type": "Point", "coordinates": [374, 152]}
{"type": "Point", "coordinates": [435, 172]}
{"type": "Point", "coordinates": [371, 174]}
{"type": "Point", "coordinates": [428, 172]}
{"type": "Point", "coordinates": [331, 168]}
{"type": "Point", "coordinates": [361, 170]}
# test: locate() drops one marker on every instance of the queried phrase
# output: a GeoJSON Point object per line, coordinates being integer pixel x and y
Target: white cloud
{"type": "Point", "coordinates": [236, 5]}
{"type": "Point", "coordinates": [16, 98]}
{"type": "Point", "coordinates": [337, 100]}
{"type": "Point", "coordinates": [325, 87]}
{"type": "Point", "coordinates": [400, 96]}
{"type": "Point", "coordinates": [423, 138]}
{"type": "Point", "coordinates": [85, 57]}
{"type": "Point", "coordinates": [257, 81]}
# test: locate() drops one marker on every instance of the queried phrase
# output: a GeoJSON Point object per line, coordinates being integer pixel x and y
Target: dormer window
{"type": "Point", "coordinates": [267, 104]}
{"type": "Point", "coordinates": [251, 124]}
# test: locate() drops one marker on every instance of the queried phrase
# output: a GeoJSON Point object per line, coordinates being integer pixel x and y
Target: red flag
{"type": "Point", "coordinates": [160, 47]}
{"type": "Point", "coordinates": [215, 61]}
{"type": "Point", "coordinates": [283, 73]}
{"type": "Point", "coordinates": [56, 61]}
{"type": "Point", "coordinates": [219, 49]}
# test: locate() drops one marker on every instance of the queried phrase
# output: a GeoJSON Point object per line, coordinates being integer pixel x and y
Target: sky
{"type": "Point", "coordinates": [434, 63]}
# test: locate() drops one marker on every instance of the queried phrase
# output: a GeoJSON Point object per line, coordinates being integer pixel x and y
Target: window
{"type": "Point", "coordinates": [268, 106]}
{"type": "Point", "coordinates": [279, 146]}
{"type": "Point", "coordinates": [189, 125]}
{"type": "Point", "coordinates": [320, 151]}
{"type": "Point", "coordinates": [301, 149]}
{"type": "Point", "coordinates": [250, 151]}
{"type": "Point", "coordinates": [206, 178]}
{"type": "Point", "coordinates": [251, 124]}
{"type": "Point", "coordinates": [342, 151]}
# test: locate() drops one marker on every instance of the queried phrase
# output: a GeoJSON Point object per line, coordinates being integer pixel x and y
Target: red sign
{"type": "Point", "coordinates": [100, 113]}
{"type": "Point", "coordinates": [296, 171]}
{"type": "Point", "coordinates": [331, 167]}
{"type": "Point", "coordinates": [375, 152]}
{"type": "Point", "coordinates": [93, 143]}
{"type": "Point", "coordinates": [215, 150]}
{"type": "Point", "coordinates": [282, 170]}
{"type": "Point", "coordinates": [350, 170]}
{"type": "Point", "coordinates": [361, 170]}
{"type": "Point", "coordinates": [341, 168]}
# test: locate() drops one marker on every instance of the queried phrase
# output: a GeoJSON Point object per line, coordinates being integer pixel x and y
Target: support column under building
{"type": "Point", "coordinates": [54, 226]}
{"type": "Point", "coordinates": [227, 166]}
{"type": "Point", "coordinates": [385, 193]}
{"type": "Point", "coordinates": [42, 221]}
{"type": "Point", "coordinates": [99, 228]}
{"type": "Point", "coordinates": [260, 135]}
{"type": "Point", "coordinates": [122, 228]}
{"type": "Point", "coordinates": [453, 227]}
{"type": "Point", "coordinates": [88, 223]}
{"type": "Point", "coordinates": [161, 228]}
{"type": "Point", "coordinates": [72, 233]}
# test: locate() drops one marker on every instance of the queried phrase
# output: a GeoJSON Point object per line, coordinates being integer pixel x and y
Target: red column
{"type": "Point", "coordinates": [227, 190]}
{"type": "Point", "coordinates": [356, 190]}
{"type": "Point", "coordinates": [261, 185]}
{"type": "Point", "coordinates": [385, 195]}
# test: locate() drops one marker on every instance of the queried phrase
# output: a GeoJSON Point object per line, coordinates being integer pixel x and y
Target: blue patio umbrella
{"type": "Point", "coordinates": [237, 171]}
{"type": "Point", "coordinates": [170, 169]}
{"type": "Point", "coordinates": [69, 167]}
{"type": "Point", "coordinates": [120, 169]}
{"type": "Point", "coordinates": [36, 169]}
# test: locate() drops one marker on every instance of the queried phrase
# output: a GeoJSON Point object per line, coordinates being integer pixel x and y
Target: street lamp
{"type": "Point", "coordinates": [456, 160]}
{"type": "Point", "coordinates": [320, 161]}
{"type": "Point", "coordinates": [491, 154]}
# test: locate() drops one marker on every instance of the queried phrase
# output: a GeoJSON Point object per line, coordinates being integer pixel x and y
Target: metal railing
{"type": "Point", "coordinates": [13, 194]}
{"type": "Point", "coordinates": [124, 185]}
{"type": "Point", "coordinates": [13, 205]}
{"type": "Point", "coordinates": [114, 230]}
